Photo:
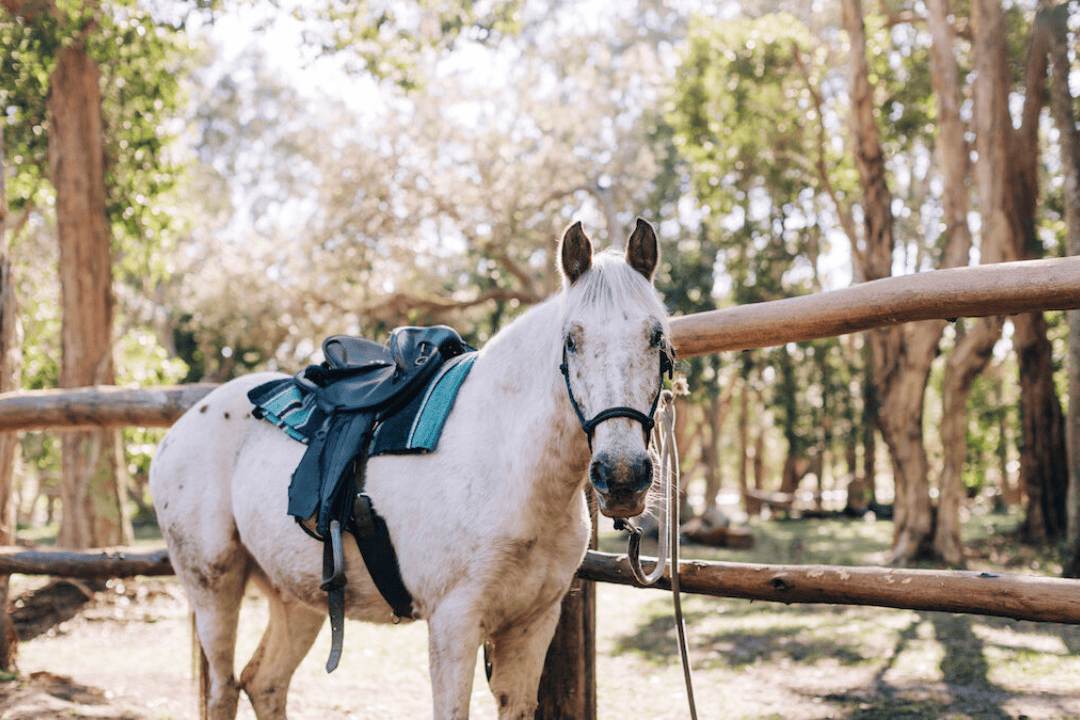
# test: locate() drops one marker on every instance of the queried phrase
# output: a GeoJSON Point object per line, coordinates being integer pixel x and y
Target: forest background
{"type": "Point", "coordinates": [184, 203]}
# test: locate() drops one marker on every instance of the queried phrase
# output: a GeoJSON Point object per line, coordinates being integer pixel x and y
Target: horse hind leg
{"type": "Point", "coordinates": [216, 607]}
{"type": "Point", "coordinates": [289, 635]}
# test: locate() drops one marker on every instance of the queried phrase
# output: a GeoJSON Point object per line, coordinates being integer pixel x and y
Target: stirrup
{"type": "Point", "coordinates": [333, 583]}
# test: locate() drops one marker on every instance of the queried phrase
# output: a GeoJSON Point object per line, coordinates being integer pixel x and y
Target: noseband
{"type": "Point", "coordinates": [667, 367]}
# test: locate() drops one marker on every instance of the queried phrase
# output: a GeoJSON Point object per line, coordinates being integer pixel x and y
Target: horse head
{"type": "Point", "coordinates": [615, 354]}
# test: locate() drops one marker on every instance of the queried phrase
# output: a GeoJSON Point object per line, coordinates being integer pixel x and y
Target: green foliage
{"type": "Point", "coordinates": [27, 57]}
{"type": "Point", "coordinates": [141, 62]}
{"type": "Point", "coordinates": [384, 40]}
{"type": "Point", "coordinates": [746, 121]}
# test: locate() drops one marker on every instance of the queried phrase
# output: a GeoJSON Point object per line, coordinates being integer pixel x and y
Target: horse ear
{"type": "Point", "coordinates": [575, 253]}
{"type": "Point", "coordinates": [642, 250]}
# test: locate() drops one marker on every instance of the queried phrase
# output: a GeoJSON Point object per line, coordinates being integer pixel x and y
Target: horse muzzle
{"type": "Point", "coordinates": [621, 482]}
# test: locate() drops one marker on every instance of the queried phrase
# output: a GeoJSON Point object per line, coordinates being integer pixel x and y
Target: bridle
{"type": "Point", "coordinates": [667, 367]}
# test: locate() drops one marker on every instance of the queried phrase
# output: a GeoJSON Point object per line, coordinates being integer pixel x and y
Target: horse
{"type": "Point", "coordinates": [489, 528]}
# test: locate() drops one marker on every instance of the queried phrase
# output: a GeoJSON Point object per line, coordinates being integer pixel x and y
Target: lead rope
{"type": "Point", "coordinates": [664, 441]}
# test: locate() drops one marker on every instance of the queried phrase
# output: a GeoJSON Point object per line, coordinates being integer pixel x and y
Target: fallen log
{"type": "Point", "coordinates": [1021, 597]}
{"type": "Point", "coordinates": [98, 406]}
{"type": "Point", "coordinates": [97, 563]}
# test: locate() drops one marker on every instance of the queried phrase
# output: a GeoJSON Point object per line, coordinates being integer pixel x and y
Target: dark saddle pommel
{"type": "Point", "coordinates": [360, 374]}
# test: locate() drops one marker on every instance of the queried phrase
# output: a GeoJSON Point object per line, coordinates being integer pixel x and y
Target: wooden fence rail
{"type": "Point", "coordinates": [1021, 597]}
{"type": "Point", "coordinates": [1001, 289]}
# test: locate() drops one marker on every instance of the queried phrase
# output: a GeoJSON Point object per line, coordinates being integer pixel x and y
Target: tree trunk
{"type": "Point", "coordinates": [10, 368]}
{"type": "Point", "coordinates": [744, 431]}
{"type": "Point", "coordinates": [901, 355]}
{"type": "Point", "coordinates": [1065, 119]}
{"type": "Point", "coordinates": [974, 348]}
{"type": "Point", "coordinates": [871, 408]}
{"type": "Point", "coordinates": [969, 358]}
{"type": "Point", "coordinates": [715, 413]}
{"type": "Point", "coordinates": [93, 478]}
{"type": "Point", "coordinates": [1043, 468]}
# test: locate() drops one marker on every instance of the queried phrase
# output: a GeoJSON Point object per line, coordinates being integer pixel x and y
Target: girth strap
{"type": "Point", "coordinates": [373, 540]}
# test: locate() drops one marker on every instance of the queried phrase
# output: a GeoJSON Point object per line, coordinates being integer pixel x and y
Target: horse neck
{"type": "Point", "coordinates": [548, 446]}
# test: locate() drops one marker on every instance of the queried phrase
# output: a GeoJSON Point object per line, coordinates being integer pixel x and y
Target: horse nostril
{"type": "Point", "coordinates": [641, 472]}
{"type": "Point", "coordinates": [600, 472]}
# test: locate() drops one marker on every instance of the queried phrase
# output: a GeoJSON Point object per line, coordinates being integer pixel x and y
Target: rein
{"type": "Point", "coordinates": [664, 442]}
{"type": "Point", "coordinates": [668, 532]}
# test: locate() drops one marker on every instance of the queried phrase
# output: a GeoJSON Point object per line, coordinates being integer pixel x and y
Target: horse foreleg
{"type": "Point", "coordinates": [517, 660]}
{"type": "Point", "coordinates": [289, 635]}
{"type": "Point", "coordinates": [453, 642]}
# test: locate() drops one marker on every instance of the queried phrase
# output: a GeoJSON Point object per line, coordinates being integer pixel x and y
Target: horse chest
{"type": "Point", "coordinates": [526, 575]}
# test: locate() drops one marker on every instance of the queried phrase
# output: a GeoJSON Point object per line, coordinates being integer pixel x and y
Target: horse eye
{"type": "Point", "coordinates": [657, 338]}
{"type": "Point", "coordinates": [571, 343]}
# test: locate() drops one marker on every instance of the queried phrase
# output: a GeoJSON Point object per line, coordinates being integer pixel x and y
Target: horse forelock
{"type": "Point", "coordinates": [612, 287]}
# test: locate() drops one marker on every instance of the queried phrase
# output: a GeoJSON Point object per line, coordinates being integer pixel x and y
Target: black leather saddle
{"type": "Point", "coordinates": [360, 384]}
{"type": "Point", "coordinates": [361, 374]}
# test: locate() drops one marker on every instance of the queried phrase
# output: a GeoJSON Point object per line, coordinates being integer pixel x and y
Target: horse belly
{"type": "Point", "coordinates": [290, 559]}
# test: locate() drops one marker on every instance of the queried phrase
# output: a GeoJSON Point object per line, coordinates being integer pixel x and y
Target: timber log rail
{"type": "Point", "coordinates": [568, 687]}
{"type": "Point", "coordinates": [1020, 597]}
{"type": "Point", "coordinates": [1000, 289]}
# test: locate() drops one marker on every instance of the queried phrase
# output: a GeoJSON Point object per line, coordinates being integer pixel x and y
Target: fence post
{"type": "Point", "coordinates": [568, 685]}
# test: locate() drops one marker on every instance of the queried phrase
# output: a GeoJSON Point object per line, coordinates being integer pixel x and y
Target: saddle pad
{"type": "Point", "coordinates": [284, 404]}
{"type": "Point", "coordinates": [416, 428]}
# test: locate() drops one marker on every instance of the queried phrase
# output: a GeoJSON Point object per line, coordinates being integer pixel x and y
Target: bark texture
{"type": "Point", "coordinates": [901, 355]}
{"type": "Point", "coordinates": [975, 343]}
{"type": "Point", "coordinates": [93, 482]}
{"type": "Point", "coordinates": [10, 368]}
{"type": "Point", "coordinates": [1065, 119]}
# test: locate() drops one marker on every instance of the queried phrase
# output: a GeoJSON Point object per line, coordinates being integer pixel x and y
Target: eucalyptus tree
{"type": "Point", "coordinates": [442, 205]}
{"type": "Point", "coordinates": [86, 88]}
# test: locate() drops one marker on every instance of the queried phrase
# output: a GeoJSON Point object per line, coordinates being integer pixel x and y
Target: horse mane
{"type": "Point", "coordinates": [612, 286]}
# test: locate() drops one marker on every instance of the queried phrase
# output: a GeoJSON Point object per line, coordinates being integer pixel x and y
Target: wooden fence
{"type": "Point", "coordinates": [568, 690]}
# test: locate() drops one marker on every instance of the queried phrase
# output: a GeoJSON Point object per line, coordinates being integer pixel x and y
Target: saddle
{"type": "Point", "coordinates": [364, 399]}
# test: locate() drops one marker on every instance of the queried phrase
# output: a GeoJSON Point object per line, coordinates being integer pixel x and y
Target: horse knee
{"type": "Point", "coordinates": [521, 709]}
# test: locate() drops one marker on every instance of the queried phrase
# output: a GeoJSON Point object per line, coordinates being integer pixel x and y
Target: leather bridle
{"type": "Point", "coordinates": [667, 367]}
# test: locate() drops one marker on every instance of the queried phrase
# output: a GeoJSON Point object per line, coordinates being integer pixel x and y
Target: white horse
{"type": "Point", "coordinates": [489, 529]}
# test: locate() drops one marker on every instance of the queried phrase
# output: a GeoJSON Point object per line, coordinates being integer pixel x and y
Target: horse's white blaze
{"type": "Point", "coordinates": [489, 529]}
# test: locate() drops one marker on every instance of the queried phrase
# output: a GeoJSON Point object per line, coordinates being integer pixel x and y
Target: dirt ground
{"type": "Point", "coordinates": [123, 650]}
